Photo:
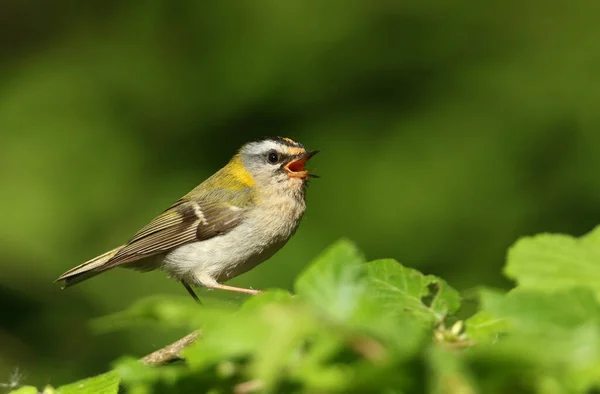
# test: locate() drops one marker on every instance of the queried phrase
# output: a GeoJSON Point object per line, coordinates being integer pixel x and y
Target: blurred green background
{"type": "Point", "coordinates": [447, 130]}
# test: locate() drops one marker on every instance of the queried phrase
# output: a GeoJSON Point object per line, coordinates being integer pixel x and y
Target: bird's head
{"type": "Point", "coordinates": [277, 163]}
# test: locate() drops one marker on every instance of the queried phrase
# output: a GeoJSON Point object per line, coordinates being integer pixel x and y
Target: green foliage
{"type": "Point", "coordinates": [25, 390]}
{"type": "Point", "coordinates": [447, 129]}
{"type": "Point", "coordinates": [169, 311]}
{"type": "Point", "coordinates": [428, 298]}
{"type": "Point", "coordinates": [379, 327]}
{"type": "Point", "coordinates": [551, 261]}
{"type": "Point", "coordinates": [107, 383]}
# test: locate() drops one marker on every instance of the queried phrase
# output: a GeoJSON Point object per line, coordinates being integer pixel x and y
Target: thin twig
{"type": "Point", "coordinates": [460, 344]}
{"type": "Point", "coordinates": [369, 349]}
{"type": "Point", "coordinates": [248, 387]}
{"type": "Point", "coordinates": [170, 352]}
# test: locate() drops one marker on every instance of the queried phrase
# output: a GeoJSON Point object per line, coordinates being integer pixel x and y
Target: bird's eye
{"type": "Point", "coordinates": [273, 157]}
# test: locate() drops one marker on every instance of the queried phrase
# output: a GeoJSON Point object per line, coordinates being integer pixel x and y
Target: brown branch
{"type": "Point", "coordinates": [170, 352]}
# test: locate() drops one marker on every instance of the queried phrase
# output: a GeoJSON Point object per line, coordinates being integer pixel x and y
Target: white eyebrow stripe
{"type": "Point", "coordinates": [258, 148]}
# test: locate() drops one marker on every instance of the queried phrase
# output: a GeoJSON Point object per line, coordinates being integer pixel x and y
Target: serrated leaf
{"type": "Point", "coordinates": [107, 383]}
{"type": "Point", "coordinates": [338, 284]}
{"type": "Point", "coordinates": [551, 261]}
{"type": "Point", "coordinates": [405, 290]}
{"type": "Point", "coordinates": [334, 281]}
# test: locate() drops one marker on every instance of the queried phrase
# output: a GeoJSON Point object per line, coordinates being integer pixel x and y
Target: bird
{"type": "Point", "coordinates": [236, 219]}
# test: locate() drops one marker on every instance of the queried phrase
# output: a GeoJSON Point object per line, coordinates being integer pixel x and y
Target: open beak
{"type": "Point", "coordinates": [295, 168]}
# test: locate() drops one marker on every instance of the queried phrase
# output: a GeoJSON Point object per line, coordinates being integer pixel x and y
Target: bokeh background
{"type": "Point", "coordinates": [447, 130]}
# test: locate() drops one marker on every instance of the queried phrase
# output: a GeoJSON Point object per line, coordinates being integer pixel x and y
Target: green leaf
{"type": "Point", "coordinates": [141, 378]}
{"type": "Point", "coordinates": [166, 311]}
{"type": "Point", "coordinates": [340, 285]}
{"type": "Point", "coordinates": [268, 297]}
{"type": "Point", "coordinates": [334, 281]}
{"type": "Point", "coordinates": [551, 261]}
{"type": "Point", "coordinates": [107, 383]}
{"type": "Point", "coordinates": [315, 368]}
{"type": "Point", "coordinates": [556, 334]}
{"type": "Point", "coordinates": [483, 326]}
{"type": "Point", "coordinates": [287, 332]}
{"type": "Point", "coordinates": [177, 377]}
{"type": "Point", "coordinates": [25, 390]}
{"type": "Point", "coordinates": [275, 337]}
{"type": "Point", "coordinates": [270, 336]}
{"type": "Point", "coordinates": [449, 375]}
{"type": "Point", "coordinates": [405, 290]}
{"type": "Point", "coordinates": [537, 310]}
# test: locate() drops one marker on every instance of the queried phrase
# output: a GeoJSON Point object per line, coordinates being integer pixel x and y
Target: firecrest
{"type": "Point", "coordinates": [230, 223]}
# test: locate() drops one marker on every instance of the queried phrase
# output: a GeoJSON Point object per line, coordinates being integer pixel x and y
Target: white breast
{"type": "Point", "coordinates": [253, 241]}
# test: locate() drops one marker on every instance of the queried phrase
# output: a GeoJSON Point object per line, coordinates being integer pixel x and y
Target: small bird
{"type": "Point", "coordinates": [230, 223]}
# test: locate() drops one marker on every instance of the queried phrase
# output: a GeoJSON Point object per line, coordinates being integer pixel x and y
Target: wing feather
{"type": "Point", "coordinates": [184, 222]}
{"type": "Point", "coordinates": [195, 217]}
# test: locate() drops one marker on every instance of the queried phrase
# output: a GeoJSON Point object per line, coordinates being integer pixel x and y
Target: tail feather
{"type": "Point", "coordinates": [88, 269]}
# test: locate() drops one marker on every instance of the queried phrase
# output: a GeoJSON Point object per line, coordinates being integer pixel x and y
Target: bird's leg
{"type": "Point", "coordinates": [233, 288]}
{"type": "Point", "coordinates": [191, 291]}
{"type": "Point", "coordinates": [210, 283]}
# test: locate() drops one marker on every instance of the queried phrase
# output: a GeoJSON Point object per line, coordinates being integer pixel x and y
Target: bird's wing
{"type": "Point", "coordinates": [188, 220]}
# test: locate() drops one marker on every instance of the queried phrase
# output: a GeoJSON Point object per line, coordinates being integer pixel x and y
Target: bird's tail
{"type": "Point", "coordinates": [88, 269]}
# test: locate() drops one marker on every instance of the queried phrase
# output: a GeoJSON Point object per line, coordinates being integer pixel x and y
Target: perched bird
{"type": "Point", "coordinates": [230, 223]}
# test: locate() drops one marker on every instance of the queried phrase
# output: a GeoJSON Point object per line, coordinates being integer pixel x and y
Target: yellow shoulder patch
{"type": "Point", "coordinates": [238, 171]}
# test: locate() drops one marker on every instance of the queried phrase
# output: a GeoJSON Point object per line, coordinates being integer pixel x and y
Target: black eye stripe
{"type": "Point", "coordinates": [282, 157]}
